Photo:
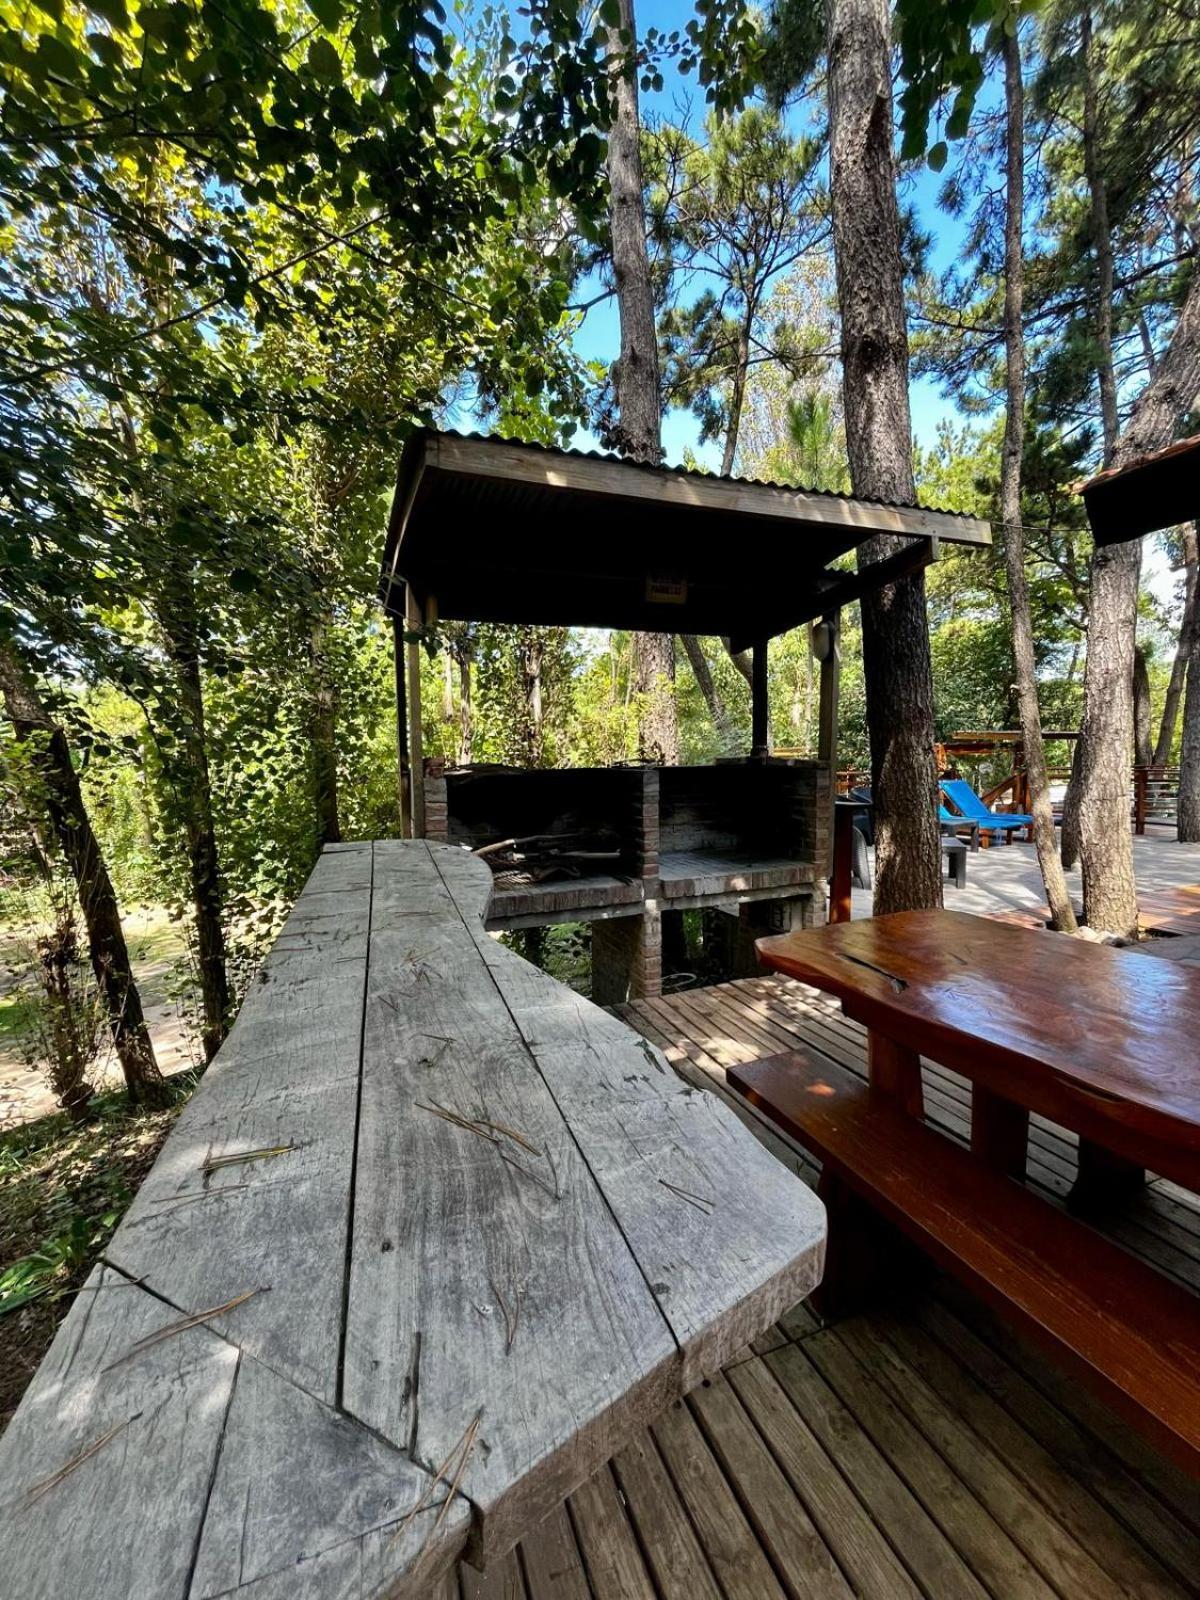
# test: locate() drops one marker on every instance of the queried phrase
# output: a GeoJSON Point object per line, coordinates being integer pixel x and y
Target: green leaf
{"type": "Point", "coordinates": [324, 61]}
{"type": "Point", "coordinates": [937, 155]}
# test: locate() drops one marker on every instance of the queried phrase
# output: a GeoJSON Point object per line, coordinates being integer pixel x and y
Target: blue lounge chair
{"type": "Point", "coordinates": [975, 814]}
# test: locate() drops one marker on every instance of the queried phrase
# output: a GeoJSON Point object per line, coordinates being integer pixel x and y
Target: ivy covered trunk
{"type": "Point", "coordinates": [639, 402]}
{"type": "Point", "coordinates": [192, 788]}
{"type": "Point", "coordinates": [324, 734]}
{"type": "Point", "coordinates": [870, 280]}
{"type": "Point", "coordinates": [1062, 913]}
{"type": "Point", "coordinates": [64, 803]}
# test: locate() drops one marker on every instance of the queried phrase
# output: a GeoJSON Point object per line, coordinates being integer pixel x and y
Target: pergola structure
{"type": "Point", "coordinates": [488, 530]}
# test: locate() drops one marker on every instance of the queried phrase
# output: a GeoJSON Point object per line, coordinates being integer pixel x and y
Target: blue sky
{"type": "Point", "coordinates": [599, 338]}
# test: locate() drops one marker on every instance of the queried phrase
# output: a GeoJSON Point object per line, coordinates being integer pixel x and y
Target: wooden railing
{"type": "Point", "coordinates": [1155, 795]}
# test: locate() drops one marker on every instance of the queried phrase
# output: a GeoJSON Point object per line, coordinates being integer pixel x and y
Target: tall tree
{"type": "Point", "coordinates": [1061, 911]}
{"type": "Point", "coordinates": [874, 340]}
{"type": "Point", "coordinates": [1189, 560]}
{"type": "Point", "coordinates": [636, 380]}
{"type": "Point", "coordinates": [63, 799]}
{"type": "Point", "coordinates": [1106, 742]}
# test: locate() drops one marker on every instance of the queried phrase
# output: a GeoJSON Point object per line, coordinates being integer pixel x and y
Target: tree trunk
{"type": "Point", "coordinates": [1183, 649]}
{"type": "Point", "coordinates": [702, 673]}
{"type": "Point", "coordinates": [637, 384]}
{"type": "Point", "coordinates": [1105, 837]}
{"type": "Point", "coordinates": [1188, 813]}
{"type": "Point", "coordinates": [193, 791]}
{"type": "Point", "coordinates": [1101, 237]}
{"type": "Point", "coordinates": [1062, 914]}
{"type": "Point", "coordinates": [72, 826]}
{"type": "Point", "coordinates": [737, 395]}
{"type": "Point", "coordinates": [323, 735]}
{"type": "Point", "coordinates": [1143, 753]}
{"type": "Point", "coordinates": [465, 729]}
{"type": "Point", "coordinates": [870, 283]}
{"type": "Point", "coordinates": [531, 671]}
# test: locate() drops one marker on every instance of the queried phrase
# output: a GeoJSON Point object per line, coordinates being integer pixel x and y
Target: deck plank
{"type": "Point", "coordinates": [780, 1520]}
{"type": "Point", "coordinates": [729, 1542]}
{"type": "Point", "coordinates": [672, 1551]}
{"type": "Point", "coordinates": [849, 1531]}
{"type": "Point", "coordinates": [616, 1570]}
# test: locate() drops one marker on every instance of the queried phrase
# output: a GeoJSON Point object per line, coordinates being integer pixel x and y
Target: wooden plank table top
{"type": "Point", "coordinates": [433, 1238]}
{"type": "Point", "coordinates": [1100, 1040]}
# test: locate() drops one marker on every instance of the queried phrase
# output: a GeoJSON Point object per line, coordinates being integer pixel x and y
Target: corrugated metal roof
{"type": "Point", "coordinates": [687, 472]}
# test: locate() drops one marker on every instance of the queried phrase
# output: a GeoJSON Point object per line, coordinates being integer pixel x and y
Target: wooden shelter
{"type": "Point", "coordinates": [488, 530]}
{"type": "Point", "coordinates": [1153, 492]}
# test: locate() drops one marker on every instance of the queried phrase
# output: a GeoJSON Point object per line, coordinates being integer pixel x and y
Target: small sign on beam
{"type": "Point", "coordinates": [664, 590]}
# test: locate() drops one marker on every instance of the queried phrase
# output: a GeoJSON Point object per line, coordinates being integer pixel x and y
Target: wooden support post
{"type": "Point", "coordinates": [826, 646]}
{"type": "Point", "coordinates": [843, 861]}
{"type": "Point", "coordinates": [827, 643]}
{"type": "Point", "coordinates": [999, 1132]}
{"type": "Point", "coordinates": [413, 624]}
{"type": "Point", "coordinates": [1140, 787]}
{"type": "Point", "coordinates": [760, 718]}
{"type": "Point", "coordinates": [1105, 1181]}
{"type": "Point", "coordinates": [895, 1070]}
{"type": "Point", "coordinates": [403, 772]}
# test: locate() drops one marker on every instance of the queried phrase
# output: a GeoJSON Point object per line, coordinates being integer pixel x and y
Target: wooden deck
{"type": "Point", "coordinates": [919, 1451]}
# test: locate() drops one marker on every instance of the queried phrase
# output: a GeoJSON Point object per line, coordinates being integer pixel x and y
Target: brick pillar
{"type": "Point", "coordinates": [627, 957]}
{"type": "Point", "coordinates": [762, 917]}
{"type": "Point", "coordinates": [437, 819]}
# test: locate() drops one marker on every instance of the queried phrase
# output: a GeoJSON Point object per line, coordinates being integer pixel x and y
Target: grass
{"type": "Point", "coordinates": [63, 1188]}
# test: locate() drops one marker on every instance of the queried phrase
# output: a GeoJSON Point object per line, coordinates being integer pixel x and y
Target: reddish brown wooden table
{"type": "Point", "coordinates": [1102, 1041]}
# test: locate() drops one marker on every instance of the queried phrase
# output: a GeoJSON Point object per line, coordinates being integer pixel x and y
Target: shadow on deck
{"type": "Point", "coordinates": [919, 1451]}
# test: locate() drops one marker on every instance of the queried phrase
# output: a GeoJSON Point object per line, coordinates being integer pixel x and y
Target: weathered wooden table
{"type": "Point", "coordinates": [433, 1237]}
{"type": "Point", "coordinates": [1099, 1040]}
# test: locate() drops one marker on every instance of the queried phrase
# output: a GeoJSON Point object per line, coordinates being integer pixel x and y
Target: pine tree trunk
{"type": "Point", "coordinates": [323, 735]}
{"type": "Point", "coordinates": [193, 791]}
{"type": "Point", "coordinates": [1062, 914]}
{"type": "Point", "coordinates": [1143, 753]}
{"type": "Point", "coordinates": [1188, 813]}
{"type": "Point", "coordinates": [72, 826]}
{"type": "Point", "coordinates": [638, 392]}
{"type": "Point", "coordinates": [870, 282]}
{"type": "Point", "coordinates": [702, 673]}
{"type": "Point", "coordinates": [1106, 743]}
{"type": "Point", "coordinates": [465, 729]}
{"type": "Point", "coordinates": [1101, 237]}
{"type": "Point", "coordinates": [1183, 650]}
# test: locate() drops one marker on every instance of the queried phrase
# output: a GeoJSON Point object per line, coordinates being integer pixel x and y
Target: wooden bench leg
{"type": "Point", "coordinates": [999, 1132]}
{"type": "Point", "coordinates": [1105, 1182]}
{"type": "Point", "coordinates": [895, 1070]}
{"type": "Point", "coordinates": [862, 1254]}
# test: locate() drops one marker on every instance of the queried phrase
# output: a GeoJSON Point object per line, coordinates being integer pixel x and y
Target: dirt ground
{"type": "Point", "coordinates": [156, 948]}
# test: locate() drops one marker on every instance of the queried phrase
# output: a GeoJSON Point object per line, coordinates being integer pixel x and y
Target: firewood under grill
{"type": "Point", "coordinates": [546, 857]}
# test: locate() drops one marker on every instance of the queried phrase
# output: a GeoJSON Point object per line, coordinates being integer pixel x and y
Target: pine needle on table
{"type": "Point", "coordinates": [182, 1326]}
{"type": "Point", "coordinates": [65, 1471]}
{"type": "Point", "coordinates": [213, 1163]}
{"type": "Point", "coordinates": [465, 1443]}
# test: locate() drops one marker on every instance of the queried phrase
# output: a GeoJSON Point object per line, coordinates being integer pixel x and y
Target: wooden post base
{"type": "Point", "coordinates": [1105, 1182]}
{"type": "Point", "coordinates": [999, 1132]}
{"type": "Point", "coordinates": [895, 1070]}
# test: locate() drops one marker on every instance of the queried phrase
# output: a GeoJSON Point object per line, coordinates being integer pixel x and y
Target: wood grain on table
{"type": "Point", "coordinates": [1102, 1040]}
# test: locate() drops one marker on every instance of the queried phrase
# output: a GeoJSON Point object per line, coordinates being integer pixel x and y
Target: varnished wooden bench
{"type": "Point", "coordinates": [1125, 1329]}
